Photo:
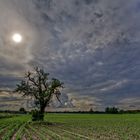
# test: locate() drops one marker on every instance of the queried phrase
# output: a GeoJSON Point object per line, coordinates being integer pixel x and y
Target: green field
{"type": "Point", "coordinates": [72, 127]}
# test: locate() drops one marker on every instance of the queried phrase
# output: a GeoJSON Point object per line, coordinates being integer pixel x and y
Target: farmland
{"type": "Point", "coordinates": [72, 127]}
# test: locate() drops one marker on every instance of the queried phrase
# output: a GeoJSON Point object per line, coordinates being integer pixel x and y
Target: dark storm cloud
{"type": "Point", "coordinates": [9, 81]}
{"type": "Point", "coordinates": [91, 45]}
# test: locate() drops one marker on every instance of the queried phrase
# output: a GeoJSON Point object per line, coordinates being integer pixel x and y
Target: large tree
{"type": "Point", "coordinates": [38, 85]}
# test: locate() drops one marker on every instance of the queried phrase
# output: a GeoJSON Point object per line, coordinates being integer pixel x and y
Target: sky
{"type": "Point", "coordinates": [92, 46]}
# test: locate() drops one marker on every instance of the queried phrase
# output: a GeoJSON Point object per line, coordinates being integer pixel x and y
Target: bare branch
{"type": "Point", "coordinates": [40, 87]}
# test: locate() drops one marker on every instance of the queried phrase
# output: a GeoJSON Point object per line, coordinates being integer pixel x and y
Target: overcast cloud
{"type": "Point", "coordinates": [93, 46]}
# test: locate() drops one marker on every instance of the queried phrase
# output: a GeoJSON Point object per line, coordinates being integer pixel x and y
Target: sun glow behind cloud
{"type": "Point", "coordinates": [91, 39]}
{"type": "Point", "coordinates": [17, 38]}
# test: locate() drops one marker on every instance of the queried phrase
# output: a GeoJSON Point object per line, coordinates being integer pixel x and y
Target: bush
{"type": "Point", "coordinates": [22, 110]}
{"type": "Point", "coordinates": [37, 115]}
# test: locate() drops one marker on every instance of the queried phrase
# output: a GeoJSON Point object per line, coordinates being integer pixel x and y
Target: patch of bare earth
{"type": "Point", "coordinates": [33, 135]}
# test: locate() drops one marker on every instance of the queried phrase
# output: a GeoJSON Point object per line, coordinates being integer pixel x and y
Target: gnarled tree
{"type": "Point", "coordinates": [38, 85]}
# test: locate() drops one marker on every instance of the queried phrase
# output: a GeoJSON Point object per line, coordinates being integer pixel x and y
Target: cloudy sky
{"type": "Point", "coordinates": [93, 46]}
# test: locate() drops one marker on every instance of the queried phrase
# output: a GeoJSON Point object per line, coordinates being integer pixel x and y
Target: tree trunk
{"type": "Point", "coordinates": [42, 111]}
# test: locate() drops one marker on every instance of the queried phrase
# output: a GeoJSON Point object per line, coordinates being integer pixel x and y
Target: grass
{"type": "Point", "coordinates": [72, 127]}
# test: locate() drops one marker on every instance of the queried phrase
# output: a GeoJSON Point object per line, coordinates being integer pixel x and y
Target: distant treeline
{"type": "Point", "coordinates": [115, 110]}
{"type": "Point", "coordinates": [6, 115]}
{"type": "Point", "coordinates": [20, 111]}
{"type": "Point", "coordinates": [108, 110]}
{"type": "Point", "coordinates": [99, 112]}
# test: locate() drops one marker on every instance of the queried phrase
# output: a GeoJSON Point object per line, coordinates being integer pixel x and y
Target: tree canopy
{"type": "Point", "coordinates": [38, 85]}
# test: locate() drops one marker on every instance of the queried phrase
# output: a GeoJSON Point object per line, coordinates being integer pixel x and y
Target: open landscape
{"type": "Point", "coordinates": [72, 127]}
{"type": "Point", "coordinates": [69, 69]}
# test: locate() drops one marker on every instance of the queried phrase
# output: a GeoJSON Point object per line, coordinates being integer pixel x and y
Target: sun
{"type": "Point", "coordinates": [17, 38]}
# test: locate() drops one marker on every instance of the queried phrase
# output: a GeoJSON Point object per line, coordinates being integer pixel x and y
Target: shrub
{"type": "Point", "coordinates": [37, 115]}
{"type": "Point", "coordinates": [22, 110]}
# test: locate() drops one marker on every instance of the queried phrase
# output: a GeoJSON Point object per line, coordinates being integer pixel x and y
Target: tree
{"type": "Point", "coordinates": [107, 109]}
{"type": "Point", "coordinates": [112, 110]}
{"type": "Point", "coordinates": [22, 110]}
{"type": "Point", "coordinates": [38, 85]}
{"type": "Point", "coordinates": [91, 110]}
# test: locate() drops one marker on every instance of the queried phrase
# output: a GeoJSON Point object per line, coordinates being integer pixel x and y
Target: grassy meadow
{"type": "Point", "coordinates": [72, 127]}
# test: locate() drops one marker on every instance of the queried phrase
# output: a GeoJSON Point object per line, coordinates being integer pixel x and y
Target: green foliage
{"type": "Point", "coordinates": [112, 110]}
{"type": "Point", "coordinates": [37, 115]}
{"type": "Point", "coordinates": [22, 110]}
{"type": "Point", "coordinates": [91, 110]}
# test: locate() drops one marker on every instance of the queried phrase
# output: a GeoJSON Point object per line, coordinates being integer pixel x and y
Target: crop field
{"type": "Point", "coordinates": [72, 127]}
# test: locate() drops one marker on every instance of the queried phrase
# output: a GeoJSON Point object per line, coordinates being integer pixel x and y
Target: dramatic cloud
{"type": "Point", "coordinates": [91, 45]}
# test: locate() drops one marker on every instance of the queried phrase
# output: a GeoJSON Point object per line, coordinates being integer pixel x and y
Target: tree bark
{"type": "Point", "coordinates": [42, 111]}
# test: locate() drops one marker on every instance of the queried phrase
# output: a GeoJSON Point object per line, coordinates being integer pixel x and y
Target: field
{"type": "Point", "coordinates": [72, 127]}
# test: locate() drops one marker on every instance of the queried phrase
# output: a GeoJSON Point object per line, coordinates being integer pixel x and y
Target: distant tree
{"type": "Point", "coordinates": [115, 110]}
{"type": "Point", "coordinates": [112, 110]}
{"type": "Point", "coordinates": [91, 110]}
{"type": "Point", "coordinates": [22, 110]}
{"type": "Point", "coordinates": [107, 109]}
{"type": "Point", "coordinates": [38, 85]}
{"type": "Point", "coordinates": [121, 111]}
